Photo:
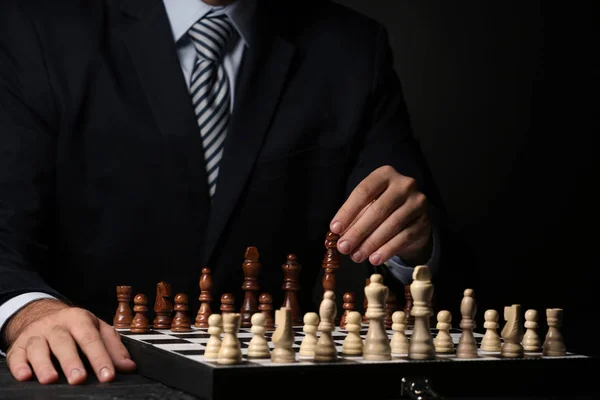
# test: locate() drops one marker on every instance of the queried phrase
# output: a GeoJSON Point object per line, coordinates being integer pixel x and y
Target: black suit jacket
{"type": "Point", "coordinates": [102, 178]}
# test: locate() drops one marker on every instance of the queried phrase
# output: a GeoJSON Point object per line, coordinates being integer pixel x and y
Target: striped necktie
{"type": "Point", "coordinates": [209, 88]}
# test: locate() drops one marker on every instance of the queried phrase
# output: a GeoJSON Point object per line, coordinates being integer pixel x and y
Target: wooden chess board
{"type": "Point", "coordinates": [177, 360]}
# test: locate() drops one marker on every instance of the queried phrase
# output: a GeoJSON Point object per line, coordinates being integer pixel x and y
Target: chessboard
{"type": "Point", "coordinates": [177, 360]}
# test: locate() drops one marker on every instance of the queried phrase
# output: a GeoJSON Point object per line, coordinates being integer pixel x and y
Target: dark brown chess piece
{"type": "Point", "coordinates": [331, 261]}
{"type": "Point", "coordinates": [365, 304]}
{"type": "Point", "coordinates": [408, 304]}
{"type": "Point", "coordinates": [265, 306]}
{"type": "Point", "coordinates": [139, 323]}
{"type": "Point", "coordinates": [348, 305]}
{"type": "Point", "coordinates": [251, 267]}
{"type": "Point", "coordinates": [181, 319]}
{"type": "Point", "coordinates": [390, 307]}
{"type": "Point", "coordinates": [227, 303]}
{"type": "Point", "coordinates": [291, 271]}
{"type": "Point", "coordinates": [205, 298]}
{"type": "Point", "coordinates": [163, 307]}
{"type": "Point", "coordinates": [123, 315]}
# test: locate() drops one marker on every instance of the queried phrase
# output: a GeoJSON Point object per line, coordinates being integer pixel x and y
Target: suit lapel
{"type": "Point", "coordinates": [262, 79]}
{"type": "Point", "coordinates": [146, 32]}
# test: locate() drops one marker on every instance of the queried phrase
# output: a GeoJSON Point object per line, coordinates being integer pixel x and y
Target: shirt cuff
{"type": "Point", "coordinates": [403, 272]}
{"type": "Point", "coordinates": [10, 307]}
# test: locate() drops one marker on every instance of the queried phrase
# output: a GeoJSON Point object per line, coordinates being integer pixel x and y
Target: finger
{"type": "Point", "coordinates": [38, 354]}
{"type": "Point", "coordinates": [408, 240]}
{"type": "Point", "coordinates": [64, 348]}
{"type": "Point", "coordinates": [399, 219]}
{"type": "Point", "coordinates": [376, 214]}
{"type": "Point", "coordinates": [116, 349]}
{"type": "Point", "coordinates": [16, 358]}
{"type": "Point", "coordinates": [360, 214]}
{"type": "Point", "coordinates": [87, 336]}
{"type": "Point", "coordinates": [365, 192]}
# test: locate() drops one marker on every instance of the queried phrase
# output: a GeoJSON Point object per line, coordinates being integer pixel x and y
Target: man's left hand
{"type": "Point", "coordinates": [385, 215]}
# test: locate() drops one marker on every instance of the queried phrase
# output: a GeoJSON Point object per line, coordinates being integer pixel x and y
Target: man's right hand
{"type": "Point", "coordinates": [47, 327]}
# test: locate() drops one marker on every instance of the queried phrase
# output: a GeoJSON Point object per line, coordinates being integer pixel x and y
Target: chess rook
{"type": "Point", "coordinates": [230, 351]}
{"type": "Point", "coordinates": [554, 344]}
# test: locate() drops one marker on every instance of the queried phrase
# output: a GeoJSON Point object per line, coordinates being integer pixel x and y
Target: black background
{"type": "Point", "coordinates": [501, 98]}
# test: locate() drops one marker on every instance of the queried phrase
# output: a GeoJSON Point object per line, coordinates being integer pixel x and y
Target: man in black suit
{"type": "Point", "coordinates": [141, 140]}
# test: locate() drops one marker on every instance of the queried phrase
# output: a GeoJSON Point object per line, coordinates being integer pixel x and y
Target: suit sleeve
{"type": "Point", "coordinates": [28, 126]}
{"type": "Point", "coordinates": [388, 138]}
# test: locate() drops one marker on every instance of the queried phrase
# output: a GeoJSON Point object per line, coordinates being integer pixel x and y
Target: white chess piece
{"type": "Point", "coordinates": [421, 342]}
{"type": "Point", "coordinates": [258, 346]}
{"type": "Point", "coordinates": [311, 323]}
{"type": "Point", "coordinates": [467, 346]}
{"type": "Point", "coordinates": [230, 351]}
{"type": "Point", "coordinates": [215, 328]}
{"type": "Point", "coordinates": [283, 337]}
{"type": "Point", "coordinates": [399, 341]}
{"type": "Point", "coordinates": [531, 340]}
{"type": "Point", "coordinates": [443, 340]}
{"type": "Point", "coordinates": [377, 343]}
{"type": "Point", "coordinates": [491, 339]}
{"type": "Point", "coordinates": [325, 349]}
{"type": "Point", "coordinates": [554, 342]}
{"type": "Point", "coordinates": [353, 344]}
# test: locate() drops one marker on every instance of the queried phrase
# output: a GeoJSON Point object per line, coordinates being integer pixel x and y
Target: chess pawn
{"type": "Point", "coordinates": [348, 305]}
{"type": "Point", "coordinates": [443, 341]}
{"type": "Point", "coordinates": [325, 349]}
{"type": "Point", "coordinates": [353, 344]}
{"type": "Point", "coordinates": [258, 346]}
{"type": "Point", "coordinates": [181, 320]}
{"type": "Point", "coordinates": [124, 315]}
{"type": "Point", "coordinates": [399, 342]}
{"type": "Point", "coordinates": [230, 351]}
{"type": "Point", "coordinates": [467, 346]}
{"type": "Point", "coordinates": [227, 303]}
{"type": "Point", "coordinates": [265, 306]}
{"type": "Point", "coordinates": [139, 323]}
{"type": "Point", "coordinates": [554, 344]}
{"type": "Point", "coordinates": [309, 342]}
{"type": "Point", "coordinates": [531, 340]}
{"type": "Point", "coordinates": [377, 343]}
{"type": "Point", "coordinates": [215, 328]}
{"type": "Point", "coordinates": [491, 339]}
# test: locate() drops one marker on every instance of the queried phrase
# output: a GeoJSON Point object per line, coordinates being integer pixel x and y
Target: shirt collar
{"type": "Point", "coordinates": [185, 13]}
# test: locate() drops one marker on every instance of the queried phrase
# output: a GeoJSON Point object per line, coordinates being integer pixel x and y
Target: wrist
{"type": "Point", "coordinates": [27, 315]}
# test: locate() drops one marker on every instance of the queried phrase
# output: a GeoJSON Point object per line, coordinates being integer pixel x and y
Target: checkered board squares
{"type": "Point", "coordinates": [192, 345]}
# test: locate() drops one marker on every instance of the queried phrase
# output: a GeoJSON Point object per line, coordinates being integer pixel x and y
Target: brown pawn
{"type": "Point", "coordinates": [205, 298]}
{"type": "Point", "coordinates": [390, 307]}
{"type": "Point", "coordinates": [291, 271]}
{"type": "Point", "coordinates": [163, 307]}
{"type": "Point", "coordinates": [265, 306]}
{"type": "Point", "coordinates": [227, 303]}
{"type": "Point", "coordinates": [251, 267]}
{"type": "Point", "coordinates": [408, 305]}
{"type": "Point", "coordinates": [366, 304]}
{"type": "Point", "coordinates": [140, 323]}
{"type": "Point", "coordinates": [348, 306]}
{"type": "Point", "coordinates": [331, 262]}
{"type": "Point", "coordinates": [181, 319]}
{"type": "Point", "coordinates": [123, 315]}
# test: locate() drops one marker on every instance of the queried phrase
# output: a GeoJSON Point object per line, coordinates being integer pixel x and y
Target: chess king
{"type": "Point", "coordinates": [166, 138]}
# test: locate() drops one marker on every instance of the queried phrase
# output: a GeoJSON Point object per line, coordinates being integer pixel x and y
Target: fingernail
{"type": "Point", "coordinates": [375, 259]}
{"type": "Point", "coordinates": [343, 246]}
{"type": "Point", "coordinates": [357, 257]}
{"type": "Point", "coordinates": [336, 227]}
{"type": "Point", "coordinates": [105, 373]}
{"type": "Point", "coordinates": [76, 373]}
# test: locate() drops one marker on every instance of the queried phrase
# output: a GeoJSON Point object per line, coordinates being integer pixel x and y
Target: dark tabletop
{"type": "Point", "coordinates": [137, 387]}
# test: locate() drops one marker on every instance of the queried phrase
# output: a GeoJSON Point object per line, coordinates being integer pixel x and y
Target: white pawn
{"type": "Point", "coordinates": [399, 341]}
{"type": "Point", "coordinates": [258, 346]}
{"type": "Point", "coordinates": [443, 340]}
{"type": "Point", "coordinates": [307, 347]}
{"type": "Point", "coordinates": [491, 339]}
{"type": "Point", "coordinates": [531, 340]}
{"type": "Point", "coordinates": [215, 328]}
{"type": "Point", "coordinates": [353, 344]}
{"type": "Point", "coordinates": [325, 349]}
{"type": "Point", "coordinates": [230, 351]}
